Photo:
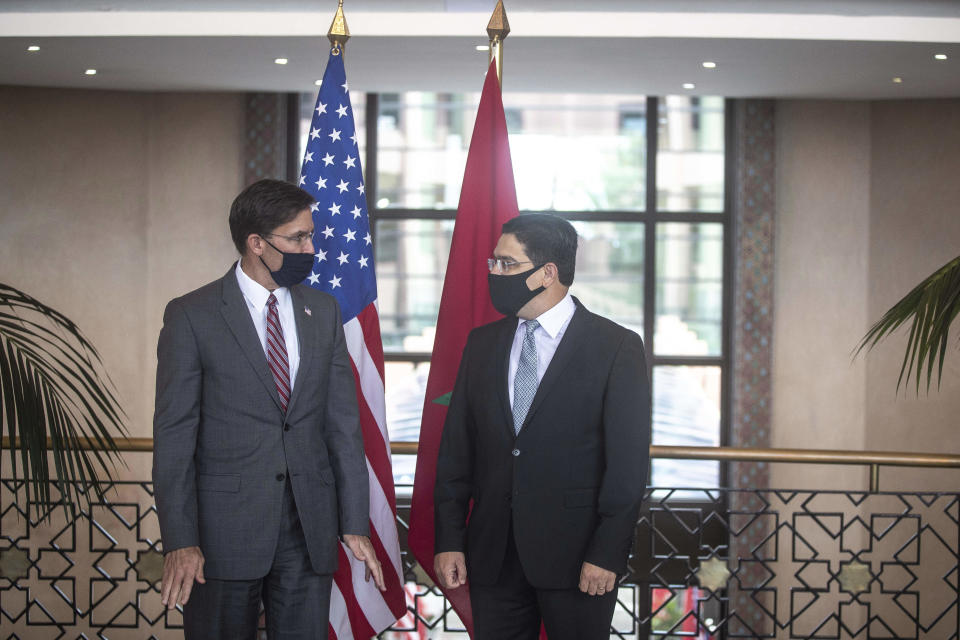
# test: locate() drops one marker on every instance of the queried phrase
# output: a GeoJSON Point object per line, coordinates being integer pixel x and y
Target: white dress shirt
{"type": "Point", "coordinates": [553, 324]}
{"type": "Point", "coordinates": [256, 296]}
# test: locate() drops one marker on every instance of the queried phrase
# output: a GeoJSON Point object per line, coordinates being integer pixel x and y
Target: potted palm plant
{"type": "Point", "coordinates": [58, 405]}
{"type": "Point", "coordinates": [931, 308]}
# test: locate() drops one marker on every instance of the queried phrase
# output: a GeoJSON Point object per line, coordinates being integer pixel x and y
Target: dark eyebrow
{"type": "Point", "coordinates": [503, 257]}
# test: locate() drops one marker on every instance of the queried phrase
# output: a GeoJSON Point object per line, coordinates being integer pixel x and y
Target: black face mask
{"type": "Point", "coordinates": [509, 293]}
{"type": "Point", "coordinates": [294, 268]}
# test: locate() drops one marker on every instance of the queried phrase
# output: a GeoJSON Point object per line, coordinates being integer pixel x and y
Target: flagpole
{"type": "Point", "coordinates": [497, 30]}
{"type": "Point", "coordinates": [339, 33]}
{"type": "Point", "coordinates": [358, 609]}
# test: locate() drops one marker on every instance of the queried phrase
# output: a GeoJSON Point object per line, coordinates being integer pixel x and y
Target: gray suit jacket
{"type": "Point", "coordinates": [223, 448]}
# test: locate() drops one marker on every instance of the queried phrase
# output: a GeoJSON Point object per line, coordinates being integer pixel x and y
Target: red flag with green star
{"type": "Point", "coordinates": [487, 200]}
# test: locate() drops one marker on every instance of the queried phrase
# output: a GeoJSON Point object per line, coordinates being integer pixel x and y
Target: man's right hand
{"type": "Point", "coordinates": [180, 568]}
{"type": "Point", "coordinates": [451, 569]}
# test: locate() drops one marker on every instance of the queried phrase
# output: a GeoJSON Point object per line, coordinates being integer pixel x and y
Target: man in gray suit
{"type": "Point", "coordinates": [258, 461]}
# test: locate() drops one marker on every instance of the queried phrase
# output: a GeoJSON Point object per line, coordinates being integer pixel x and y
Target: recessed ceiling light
{"type": "Point", "coordinates": [709, 65]}
{"type": "Point", "coordinates": [898, 80]}
{"type": "Point", "coordinates": [91, 72]}
{"type": "Point", "coordinates": [318, 82]}
{"type": "Point", "coordinates": [689, 85]}
{"type": "Point", "coordinates": [280, 61]}
{"type": "Point", "coordinates": [483, 47]}
{"type": "Point", "coordinates": [33, 47]}
{"type": "Point", "coordinates": [940, 56]}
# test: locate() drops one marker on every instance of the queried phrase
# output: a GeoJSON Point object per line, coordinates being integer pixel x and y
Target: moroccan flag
{"type": "Point", "coordinates": [343, 267]}
{"type": "Point", "coordinates": [487, 200]}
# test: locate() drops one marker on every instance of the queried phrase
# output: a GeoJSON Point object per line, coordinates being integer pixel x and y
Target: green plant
{"type": "Point", "coordinates": [932, 305]}
{"type": "Point", "coordinates": [54, 393]}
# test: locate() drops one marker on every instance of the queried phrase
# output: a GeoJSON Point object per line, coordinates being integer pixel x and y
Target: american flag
{"type": "Point", "coordinates": [343, 267]}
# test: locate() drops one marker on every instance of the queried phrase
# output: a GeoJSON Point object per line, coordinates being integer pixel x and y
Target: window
{"type": "Point", "coordinates": [644, 181]}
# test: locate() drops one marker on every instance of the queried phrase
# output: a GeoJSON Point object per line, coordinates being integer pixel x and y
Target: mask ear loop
{"type": "Point", "coordinates": [274, 248]}
{"type": "Point", "coordinates": [544, 267]}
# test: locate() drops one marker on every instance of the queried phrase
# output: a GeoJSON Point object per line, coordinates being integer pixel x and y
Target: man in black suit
{"type": "Point", "coordinates": [548, 434]}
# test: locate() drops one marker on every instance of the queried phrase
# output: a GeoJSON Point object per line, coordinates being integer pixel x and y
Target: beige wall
{"type": "Point", "coordinates": [820, 283]}
{"type": "Point", "coordinates": [915, 229]}
{"type": "Point", "coordinates": [113, 203]}
{"type": "Point", "coordinates": [868, 198]}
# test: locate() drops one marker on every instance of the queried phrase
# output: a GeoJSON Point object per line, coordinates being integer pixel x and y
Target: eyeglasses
{"type": "Point", "coordinates": [501, 265]}
{"type": "Point", "coordinates": [297, 238]}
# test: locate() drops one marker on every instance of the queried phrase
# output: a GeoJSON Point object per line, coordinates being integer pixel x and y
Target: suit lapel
{"type": "Point", "coordinates": [306, 338]}
{"type": "Point", "coordinates": [573, 339]}
{"type": "Point", "coordinates": [237, 316]}
{"type": "Point", "coordinates": [504, 342]}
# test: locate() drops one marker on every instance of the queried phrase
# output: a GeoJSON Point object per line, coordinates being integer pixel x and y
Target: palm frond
{"type": "Point", "coordinates": [53, 386]}
{"type": "Point", "coordinates": [931, 308]}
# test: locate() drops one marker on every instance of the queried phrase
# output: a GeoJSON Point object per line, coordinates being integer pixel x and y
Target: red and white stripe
{"type": "Point", "coordinates": [277, 352]}
{"type": "Point", "coordinates": [358, 609]}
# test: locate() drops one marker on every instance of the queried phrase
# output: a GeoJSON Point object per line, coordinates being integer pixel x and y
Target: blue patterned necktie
{"type": "Point", "coordinates": [525, 380]}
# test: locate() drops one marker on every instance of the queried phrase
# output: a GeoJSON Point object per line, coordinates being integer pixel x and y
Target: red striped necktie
{"type": "Point", "coordinates": [277, 352]}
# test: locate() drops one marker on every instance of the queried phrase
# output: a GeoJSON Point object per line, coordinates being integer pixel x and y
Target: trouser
{"type": "Point", "coordinates": [512, 609]}
{"type": "Point", "coordinates": [295, 599]}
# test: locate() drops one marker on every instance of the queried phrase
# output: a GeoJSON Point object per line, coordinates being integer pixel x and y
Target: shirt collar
{"type": "Point", "coordinates": [553, 319]}
{"type": "Point", "coordinates": [255, 293]}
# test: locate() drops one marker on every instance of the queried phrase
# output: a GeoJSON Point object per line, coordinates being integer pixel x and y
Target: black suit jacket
{"type": "Point", "coordinates": [572, 481]}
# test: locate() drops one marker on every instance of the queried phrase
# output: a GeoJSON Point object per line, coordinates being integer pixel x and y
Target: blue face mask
{"type": "Point", "coordinates": [294, 268]}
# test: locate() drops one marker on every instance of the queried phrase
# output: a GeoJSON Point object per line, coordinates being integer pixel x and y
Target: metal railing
{"type": "Point", "coordinates": [875, 460]}
{"type": "Point", "coordinates": [719, 563]}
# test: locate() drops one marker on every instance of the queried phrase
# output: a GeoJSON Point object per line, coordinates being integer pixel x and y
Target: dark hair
{"type": "Point", "coordinates": [547, 238]}
{"type": "Point", "coordinates": [264, 206]}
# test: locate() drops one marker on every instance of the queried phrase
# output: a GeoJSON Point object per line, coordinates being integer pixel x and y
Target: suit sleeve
{"type": "Point", "coordinates": [454, 482]}
{"type": "Point", "coordinates": [176, 421]}
{"type": "Point", "coordinates": [344, 438]}
{"type": "Point", "coordinates": [626, 427]}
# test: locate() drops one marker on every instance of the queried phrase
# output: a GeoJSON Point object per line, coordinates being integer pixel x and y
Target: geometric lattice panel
{"type": "Point", "coordinates": [86, 572]}
{"type": "Point", "coordinates": [828, 565]}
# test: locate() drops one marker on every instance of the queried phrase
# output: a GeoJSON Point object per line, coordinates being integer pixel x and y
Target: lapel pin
{"type": "Point", "coordinates": [307, 311]}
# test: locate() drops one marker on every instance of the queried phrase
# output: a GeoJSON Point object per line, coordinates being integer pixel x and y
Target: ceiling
{"type": "Point", "coordinates": [778, 48]}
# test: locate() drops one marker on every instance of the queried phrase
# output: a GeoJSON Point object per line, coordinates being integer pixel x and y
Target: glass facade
{"type": "Point", "coordinates": [686, 411]}
{"type": "Point", "coordinates": [690, 154]}
{"type": "Point", "coordinates": [689, 278]}
{"type": "Point", "coordinates": [651, 256]}
{"type": "Point", "coordinates": [609, 276]}
{"type": "Point", "coordinates": [574, 152]}
{"type": "Point", "coordinates": [411, 258]}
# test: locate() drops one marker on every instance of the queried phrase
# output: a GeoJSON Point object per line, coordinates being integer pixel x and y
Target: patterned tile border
{"type": "Point", "coordinates": [265, 144]}
{"type": "Point", "coordinates": [755, 205]}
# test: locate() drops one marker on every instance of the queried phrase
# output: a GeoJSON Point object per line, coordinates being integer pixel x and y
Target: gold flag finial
{"type": "Point", "coordinates": [339, 33]}
{"type": "Point", "coordinates": [497, 29]}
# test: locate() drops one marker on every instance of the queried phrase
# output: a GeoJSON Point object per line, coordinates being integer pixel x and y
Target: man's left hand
{"type": "Point", "coordinates": [362, 550]}
{"type": "Point", "coordinates": [596, 580]}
